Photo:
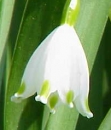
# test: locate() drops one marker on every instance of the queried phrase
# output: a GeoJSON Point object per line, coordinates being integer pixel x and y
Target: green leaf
{"type": "Point", "coordinates": [91, 24]}
{"type": "Point", "coordinates": [6, 12]}
{"type": "Point", "coordinates": [110, 14]}
{"type": "Point", "coordinates": [65, 118]}
{"type": "Point", "coordinates": [105, 125]}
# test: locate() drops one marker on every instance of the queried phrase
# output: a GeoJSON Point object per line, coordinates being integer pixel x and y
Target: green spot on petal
{"type": "Point", "coordinates": [45, 89]}
{"type": "Point", "coordinates": [69, 97]}
{"type": "Point", "coordinates": [21, 89]}
{"type": "Point", "coordinates": [52, 100]}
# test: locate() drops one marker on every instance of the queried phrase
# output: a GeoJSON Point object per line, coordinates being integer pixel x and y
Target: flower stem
{"type": "Point", "coordinates": [70, 12]}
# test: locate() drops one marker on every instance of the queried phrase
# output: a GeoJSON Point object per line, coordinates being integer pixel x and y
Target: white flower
{"type": "Point", "coordinates": [58, 70]}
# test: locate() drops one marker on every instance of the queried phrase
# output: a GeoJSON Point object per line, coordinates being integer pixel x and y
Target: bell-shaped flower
{"type": "Point", "coordinates": [58, 70]}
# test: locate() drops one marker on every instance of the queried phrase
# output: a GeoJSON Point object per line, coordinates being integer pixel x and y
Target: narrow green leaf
{"type": "Point", "coordinates": [105, 125]}
{"type": "Point", "coordinates": [6, 12]}
{"type": "Point", "coordinates": [91, 24]}
{"type": "Point", "coordinates": [110, 14]}
{"type": "Point", "coordinates": [107, 50]}
{"type": "Point", "coordinates": [64, 119]}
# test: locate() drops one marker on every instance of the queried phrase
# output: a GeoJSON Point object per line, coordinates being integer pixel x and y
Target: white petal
{"type": "Point", "coordinates": [67, 65]}
{"type": "Point", "coordinates": [57, 63]}
{"type": "Point", "coordinates": [81, 101]}
{"type": "Point", "coordinates": [34, 74]}
{"type": "Point", "coordinates": [73, 70]}
{"type": "Point", "coordinates": [82, 106]}
{"type": "Point", "coordinates": [59, 59]}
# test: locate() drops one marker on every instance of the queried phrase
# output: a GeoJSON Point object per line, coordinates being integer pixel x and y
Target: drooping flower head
{"type": "Point", "coordinates": [58, 70]}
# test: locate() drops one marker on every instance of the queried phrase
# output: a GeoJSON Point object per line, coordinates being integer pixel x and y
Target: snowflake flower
{"type": "Point", "coordinates": [58, 70]}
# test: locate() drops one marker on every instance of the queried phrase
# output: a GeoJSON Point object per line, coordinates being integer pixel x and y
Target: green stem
{"type": "Point", "coordinates": [70, 12]}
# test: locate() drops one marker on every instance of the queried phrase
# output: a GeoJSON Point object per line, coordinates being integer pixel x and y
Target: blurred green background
{"type": "Point", "coordinates": [23, 25]}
